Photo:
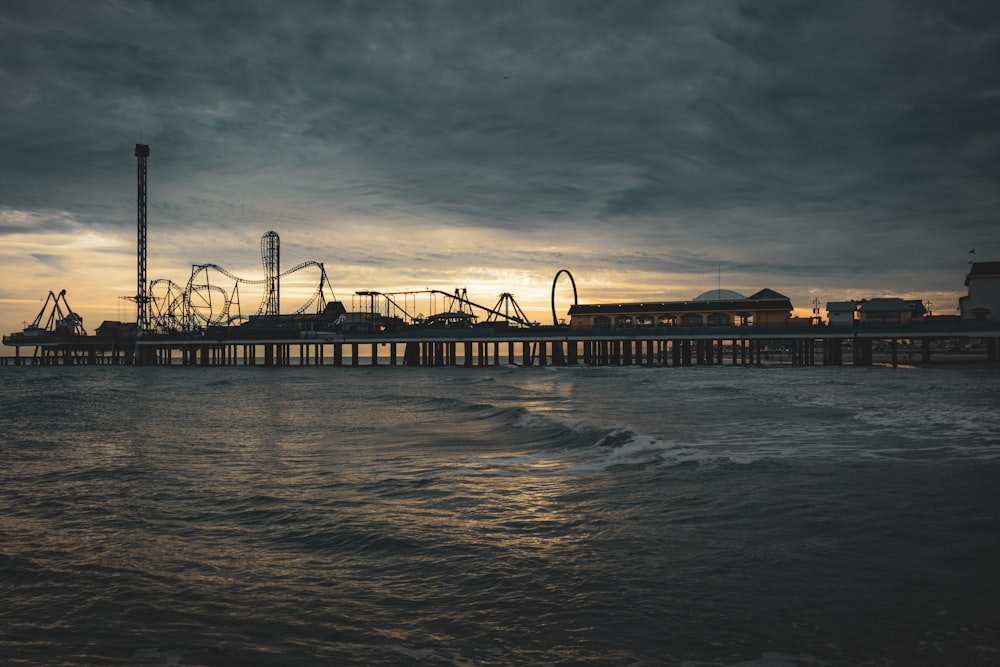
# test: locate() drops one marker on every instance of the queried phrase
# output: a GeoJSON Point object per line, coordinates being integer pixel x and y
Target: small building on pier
{"type": "Point", "coordinates": [115, 330]}
{"type": "Point", "coordinates": [715, 308]}
{"type": "Point", "coordinates": [982, 303]}
{"type": "Point", "coordinates": [882, 310]}
{"type": "Point", "coordinates": [330, 318]}
{"type": "Point", "coordinates": [842, 313]}
{"type": "Point", "coordinates": [891, 310]}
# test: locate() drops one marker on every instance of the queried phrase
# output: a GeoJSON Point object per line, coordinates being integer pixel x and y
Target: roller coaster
{"type": "Point", "coordinates": [458, 311]}
{"type": "Point", "coordinates": [211, 299]}
{"type": "Point", "coordinates": [211, 296]}
{"type": "Point", "coordinates": [205, 301]}
{"type": "Point", "coordinates": [448, 310]}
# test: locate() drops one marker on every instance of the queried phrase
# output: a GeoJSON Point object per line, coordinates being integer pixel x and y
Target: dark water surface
{"type": "Point", "coordinates": [500, 516]}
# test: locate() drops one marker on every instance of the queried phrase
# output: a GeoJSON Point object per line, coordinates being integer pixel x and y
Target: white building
{"type": "Point", "coordinates": [841, 313]}
{"type": "Point", "coordinates": [983, 300]}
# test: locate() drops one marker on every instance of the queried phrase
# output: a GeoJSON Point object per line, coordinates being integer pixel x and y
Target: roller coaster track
{"type": "Point", "coordinates": [247, 281]}
{"type": "Point", "coordinates": [459, 302]}
{"type": "Point", "coordinates": [169, 310]}
{"type": "Point", "coordinates": [232, 276]}
{"type": "Point", "coordinates": [192, 307]}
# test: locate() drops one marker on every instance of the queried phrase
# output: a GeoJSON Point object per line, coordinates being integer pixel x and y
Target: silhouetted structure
{"type": "Point", "coordinates": [270, 253]}
{"type": "Point", "coordinates": [141, 295]}
{"type": "Point", "coordinates": [766, 308]}
{"type": "Point", "coordinates": [983, 300]}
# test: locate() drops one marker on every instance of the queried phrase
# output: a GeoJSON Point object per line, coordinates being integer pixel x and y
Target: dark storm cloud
{"type": "Point", "coordinates": [795, 138]}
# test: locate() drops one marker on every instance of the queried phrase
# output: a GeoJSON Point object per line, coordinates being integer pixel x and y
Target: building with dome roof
{"type": "Point", "coordinates": [715, 308]}
{"type": "Point", "coordinates": [720, 295]}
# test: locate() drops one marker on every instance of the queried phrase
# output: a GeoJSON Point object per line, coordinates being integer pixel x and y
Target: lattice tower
{"type": "Point", "coordinates": [141, 295]}
{"type": "Point", "coordinates": [270, 252]}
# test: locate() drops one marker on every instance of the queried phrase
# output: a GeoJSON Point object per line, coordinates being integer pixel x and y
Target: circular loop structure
{"type": "Point", "coordinates": [209, 305]}
{"type": "Point", "coordinates": [208, 300]}
{"type": "Point", "coordinates": [555, 320]}
{"type": "Point", "coordinates": [167, 300]}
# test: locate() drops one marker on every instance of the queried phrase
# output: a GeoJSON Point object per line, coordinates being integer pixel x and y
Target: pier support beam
{"type": "Point", "coordinates": [411, 354]}
{"type": "Point", "coordinates": [862, 351]}
{"type": "Point", "coordinates": [558, 354]}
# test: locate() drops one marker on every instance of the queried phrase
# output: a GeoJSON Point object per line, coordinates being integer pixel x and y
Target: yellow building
{"type": "Point", "coordinates": [716, 308]}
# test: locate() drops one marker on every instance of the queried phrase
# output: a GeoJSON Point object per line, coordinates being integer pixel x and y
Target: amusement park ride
{"type": "Point", "coordinates": [209, 302]}
{"type": "Point", "coordinates": [61, 322]}
{"type": "Point", "coordinates": [201, 321]}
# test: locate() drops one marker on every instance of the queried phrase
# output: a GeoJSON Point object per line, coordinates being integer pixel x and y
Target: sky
{"type": "Point", "coordinates": [655, 150]}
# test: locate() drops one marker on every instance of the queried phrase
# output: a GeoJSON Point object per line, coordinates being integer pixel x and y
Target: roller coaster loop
{"type": "Point", "coordinates": [555, 320]}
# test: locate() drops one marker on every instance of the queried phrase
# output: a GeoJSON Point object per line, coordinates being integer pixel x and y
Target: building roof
{"type": "Point", "coordinates": [891, 305]}
{"type": "Point", "coordinates": [763, 300]}
{"type": "Point", "coordinates": [113, 326]}
{"type": "Point", "coordinates": [983, 270]}
{"type": "Point", "coordinates": [719, 295]}
{"type": "Point", "coordinates": [885, 305]}
{"type": "Point", "coordinates": [767, 293]}
{"type": "Point", "coordinates": [841, 306]}
{"type": "Point", "coordinates": [917, 306]}
{"type": "Point", "coordinates": [334, 308]}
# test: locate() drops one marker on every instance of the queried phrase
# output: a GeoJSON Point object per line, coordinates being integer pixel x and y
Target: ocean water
{"type": "Point", "coordinates": [633, 516]}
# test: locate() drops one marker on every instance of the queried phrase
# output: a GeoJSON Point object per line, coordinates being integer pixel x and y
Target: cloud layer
{"type": "Point", "coordinates": [828, 151]}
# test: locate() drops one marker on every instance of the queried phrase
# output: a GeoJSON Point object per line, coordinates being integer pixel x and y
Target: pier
{"type": "Point", "coordinates": [195, 324]}
{"type": "Point", "coordinates": [548, 346]}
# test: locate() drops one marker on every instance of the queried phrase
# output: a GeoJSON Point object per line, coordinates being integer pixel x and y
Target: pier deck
{"type": "Point", "coordinates": [528, 347]}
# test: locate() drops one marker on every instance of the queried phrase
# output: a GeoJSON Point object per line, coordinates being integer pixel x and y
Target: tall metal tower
{"type": "Point", "coordinates": [270, 253]}
{"type": "Point", "coordinates": [141, 295]}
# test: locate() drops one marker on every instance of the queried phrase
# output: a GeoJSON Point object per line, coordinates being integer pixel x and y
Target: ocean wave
{"type": "Point", "coordinates": [584, 445]}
